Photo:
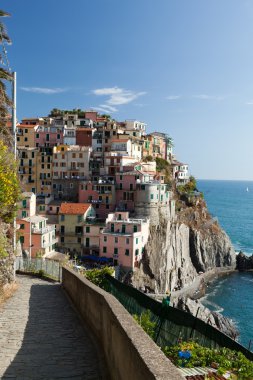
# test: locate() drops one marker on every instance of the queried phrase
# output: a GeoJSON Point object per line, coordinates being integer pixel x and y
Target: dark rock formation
{"type": "Point", "coordinates": [215, 319]}
{"type": "Point", "coordinates": [244, 262]}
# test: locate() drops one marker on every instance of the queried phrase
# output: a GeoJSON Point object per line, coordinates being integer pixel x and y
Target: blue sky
{"type": "Point", "coordinates": [185, 67]}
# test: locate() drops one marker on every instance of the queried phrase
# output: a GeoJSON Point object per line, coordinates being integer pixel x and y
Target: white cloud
{"type": "Point", "coordinates": [250, 103]}
{"type": "Point", "coordinates": [208, 97]}
{"type": "Point", "coordinates": [173, 97]}
{"type": "Point", "coordinates": [43, 90]}
{"type": "Point", "coordinates": [117, 95]}
{"type": "Point", "coordinates": [107, 91]}
{"type": "Point", "coordinates": [101, 109]}
{"type": "Point", "coordinates": [109, 108]}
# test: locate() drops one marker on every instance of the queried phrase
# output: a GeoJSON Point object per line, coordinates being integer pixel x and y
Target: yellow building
{"type": "Point", "coordinates": [72, 219]}
{"type": "Point", "coordinates": [26, 135]}
{"type": "Point", "coordinates": [27, 168]}
{"type": "Point", "coordinates": [44, 172]}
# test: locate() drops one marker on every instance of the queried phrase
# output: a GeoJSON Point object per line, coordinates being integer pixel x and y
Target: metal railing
{"type": "Point", "coordinates": [39, 266]}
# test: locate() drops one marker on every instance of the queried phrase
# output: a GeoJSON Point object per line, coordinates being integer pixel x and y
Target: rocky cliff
{"type": "Point", "coordinates": [179, 249]}
{"type": "Point", "coordinates": [214, 319]}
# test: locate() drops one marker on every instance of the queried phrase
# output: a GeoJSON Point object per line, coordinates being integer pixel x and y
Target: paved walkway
{"type": "Point", "coordinates": [42, 338]}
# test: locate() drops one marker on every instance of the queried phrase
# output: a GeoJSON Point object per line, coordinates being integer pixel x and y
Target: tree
{"type": "Point", "coordinates": [9, 182]}
{"type": "Point", "coordinates": [5, 75]}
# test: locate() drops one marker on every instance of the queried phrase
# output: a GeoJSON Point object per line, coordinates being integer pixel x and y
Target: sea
{"type": "Point", "coordinates": [232, 295]}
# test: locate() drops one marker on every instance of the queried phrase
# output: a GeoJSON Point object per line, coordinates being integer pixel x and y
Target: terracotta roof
{"type": "Point", "coordinates": [74, 208]}
{"type": "Point", "coordinates": [27, 125]}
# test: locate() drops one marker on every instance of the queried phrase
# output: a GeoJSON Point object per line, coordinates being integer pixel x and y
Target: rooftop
{"type": "Point", "coordinates": [74, 208]}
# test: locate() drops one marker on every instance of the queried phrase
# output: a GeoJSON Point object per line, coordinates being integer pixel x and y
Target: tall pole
{"type": "Point", "coordinates": [14, 112]}
{"type": "Point", "coordinates": [14, 133]}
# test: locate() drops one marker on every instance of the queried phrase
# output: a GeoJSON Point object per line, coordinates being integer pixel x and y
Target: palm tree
{"type": "Point", "coordinates": [5, 75]}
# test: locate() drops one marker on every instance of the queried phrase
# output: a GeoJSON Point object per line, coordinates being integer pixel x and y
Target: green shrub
{"type": "Point", "coordinates": [224, 358]}
{"type": "Point", "coordinates": [98, 276]}
{"type": "Point", "coordinates": [146, 323]}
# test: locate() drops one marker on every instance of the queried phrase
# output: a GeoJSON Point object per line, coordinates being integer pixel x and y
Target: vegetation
{"type": "Point", "coordinates": [5, 75]}
{"type": "Point", "coordinates": [98, 276]}
{"type": "Point", "coordinates": [9, 183]}
{"type": "Point", "coordinates": [146, 323]}
{"type": "Point", "coordinates": [164, 167]}
{"type": "Point", "coordinates": [189, 187]}
{"type": "Point", "coordinates": [223, 358]}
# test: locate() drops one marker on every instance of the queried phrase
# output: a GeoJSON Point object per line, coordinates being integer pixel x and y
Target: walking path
{"type": "Point", "coordinates": [41, 337]}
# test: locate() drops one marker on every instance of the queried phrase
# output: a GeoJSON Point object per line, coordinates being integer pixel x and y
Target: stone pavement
{"type": "Point", "coordinates": [41, 337]}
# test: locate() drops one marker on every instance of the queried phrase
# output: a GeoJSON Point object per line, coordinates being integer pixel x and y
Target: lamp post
{"type": "Point", "coordinates": [14, 132]}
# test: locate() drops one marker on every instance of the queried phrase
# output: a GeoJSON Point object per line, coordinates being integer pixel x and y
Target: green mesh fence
{"type": "Point", "coordinates": [172, 324]}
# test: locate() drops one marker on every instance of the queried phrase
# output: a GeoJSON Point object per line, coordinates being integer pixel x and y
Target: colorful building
{"type": "Point", "coordinates": [73, 218]}
{"type": "Point", "coordinates": [124, 239]}
{"type": "Point", "coordinates": [36, 236]}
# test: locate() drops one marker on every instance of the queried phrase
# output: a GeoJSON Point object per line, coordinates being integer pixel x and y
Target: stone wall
{"type": "Point", "coordinates": [128, 350]}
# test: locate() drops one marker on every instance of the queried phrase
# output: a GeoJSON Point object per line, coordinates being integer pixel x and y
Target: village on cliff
{"type": "Point", "coordinates": [92, 185]}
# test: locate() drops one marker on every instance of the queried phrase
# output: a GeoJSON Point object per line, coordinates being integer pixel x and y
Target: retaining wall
{"type": "Point", "coordinates": [128, 350]}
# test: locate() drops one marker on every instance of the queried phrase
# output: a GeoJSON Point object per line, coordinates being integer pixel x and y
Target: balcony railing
{"type": "Point", "coordinates": [43, 230]}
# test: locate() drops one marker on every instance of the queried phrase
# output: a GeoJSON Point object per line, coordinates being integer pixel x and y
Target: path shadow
{"type": "Point", "coordinates": [55, 344]}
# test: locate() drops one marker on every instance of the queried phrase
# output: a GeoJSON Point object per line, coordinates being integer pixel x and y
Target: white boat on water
{"type": "Point", "coordinates": [247, 189]}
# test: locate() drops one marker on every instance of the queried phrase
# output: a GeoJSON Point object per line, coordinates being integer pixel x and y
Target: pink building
{"type": "Point", "coordinates": [124, 239]}
{"type": "Point", "coordinates": [100, 194]}
{"type": "Point", "coordinates": [36, 236]}
{"type": "Point", "coordinates": [48, 136]}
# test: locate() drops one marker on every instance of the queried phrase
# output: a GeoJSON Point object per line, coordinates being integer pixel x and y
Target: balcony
{"type": "Point", "coordinates": [44, 230]}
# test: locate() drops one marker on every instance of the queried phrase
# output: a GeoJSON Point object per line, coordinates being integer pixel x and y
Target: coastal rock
{"type": "Point", "coordinates": [178, 251]}
{"type": "Point", "coordinates": [244, 262]}
{"type": "Point", "coordinates": [215, 319]}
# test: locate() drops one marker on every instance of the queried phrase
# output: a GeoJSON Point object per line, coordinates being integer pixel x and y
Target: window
{"type": "Point", "coordinates": [24, 214]}
{"type": "Point", "coordinates": [116, 240]}
{"type": "Point", "coordinates": [120, 186]}
{"type": "Point", "coordinates": [152, 196]}
{"type": "Point", "coordinates": [136, 252]}
{"type": "Point", "coordinates": [127, 252]}
{"type": "Point", "coordinates": [135, 228]}
{"type": "Point", "coordinates": [115, 251]}
{"type": "Point", "coordinates": [136, 240]}
{"type": "Point", "coordinates": [62, 239]}
{"type": "Point", "coordinates": [123, 229]}
{"type": "Point", "coordinates": [37, 135]}
{"type": "Point", "coordinates": [22, 239]}
{"type": "Point", "coordinates": [104, 249]}
{"type": "Point", "coordinates": [26, 130]}
{"type": "Point", "coordinates": [24, 203]}
{"type": "Point", "coordinates": [112, 227]}
{"type": "Point", "coordinates": [79, 218]}
{"type": "Point", "coordinates": [107, 207]}
{"type": "Point", "coordinates": [62, 229]}
{"type": "Point", "coordinates": [131, 186]}
{"type": "Point", "coordinates": [127, 240]}
{"type": "Point", "coordinates": [79, 230]}
{"type": "Point", "coordinates": [121, 177]}
{"type": "Point", "coordinates": [87, 230]}
{"type": "Point", "coordinates": [105, 238]}
{"type": "Point", "coordinates": [62, 218]}
{"type": "Point", "coordinates": [73, 155]}
{"type": "Point", "coordinates": [79, 240]}
{"type": "Point", "coordinates": [87, 242]}
{"type": "Point", "coordinates": [26, 139]}
{"type": "Point", "coordinates": [58, 137]}
{"type": "Point", "coordinates": [48, 166]}
{"type": "Point", "coordinates": [80, 155]}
